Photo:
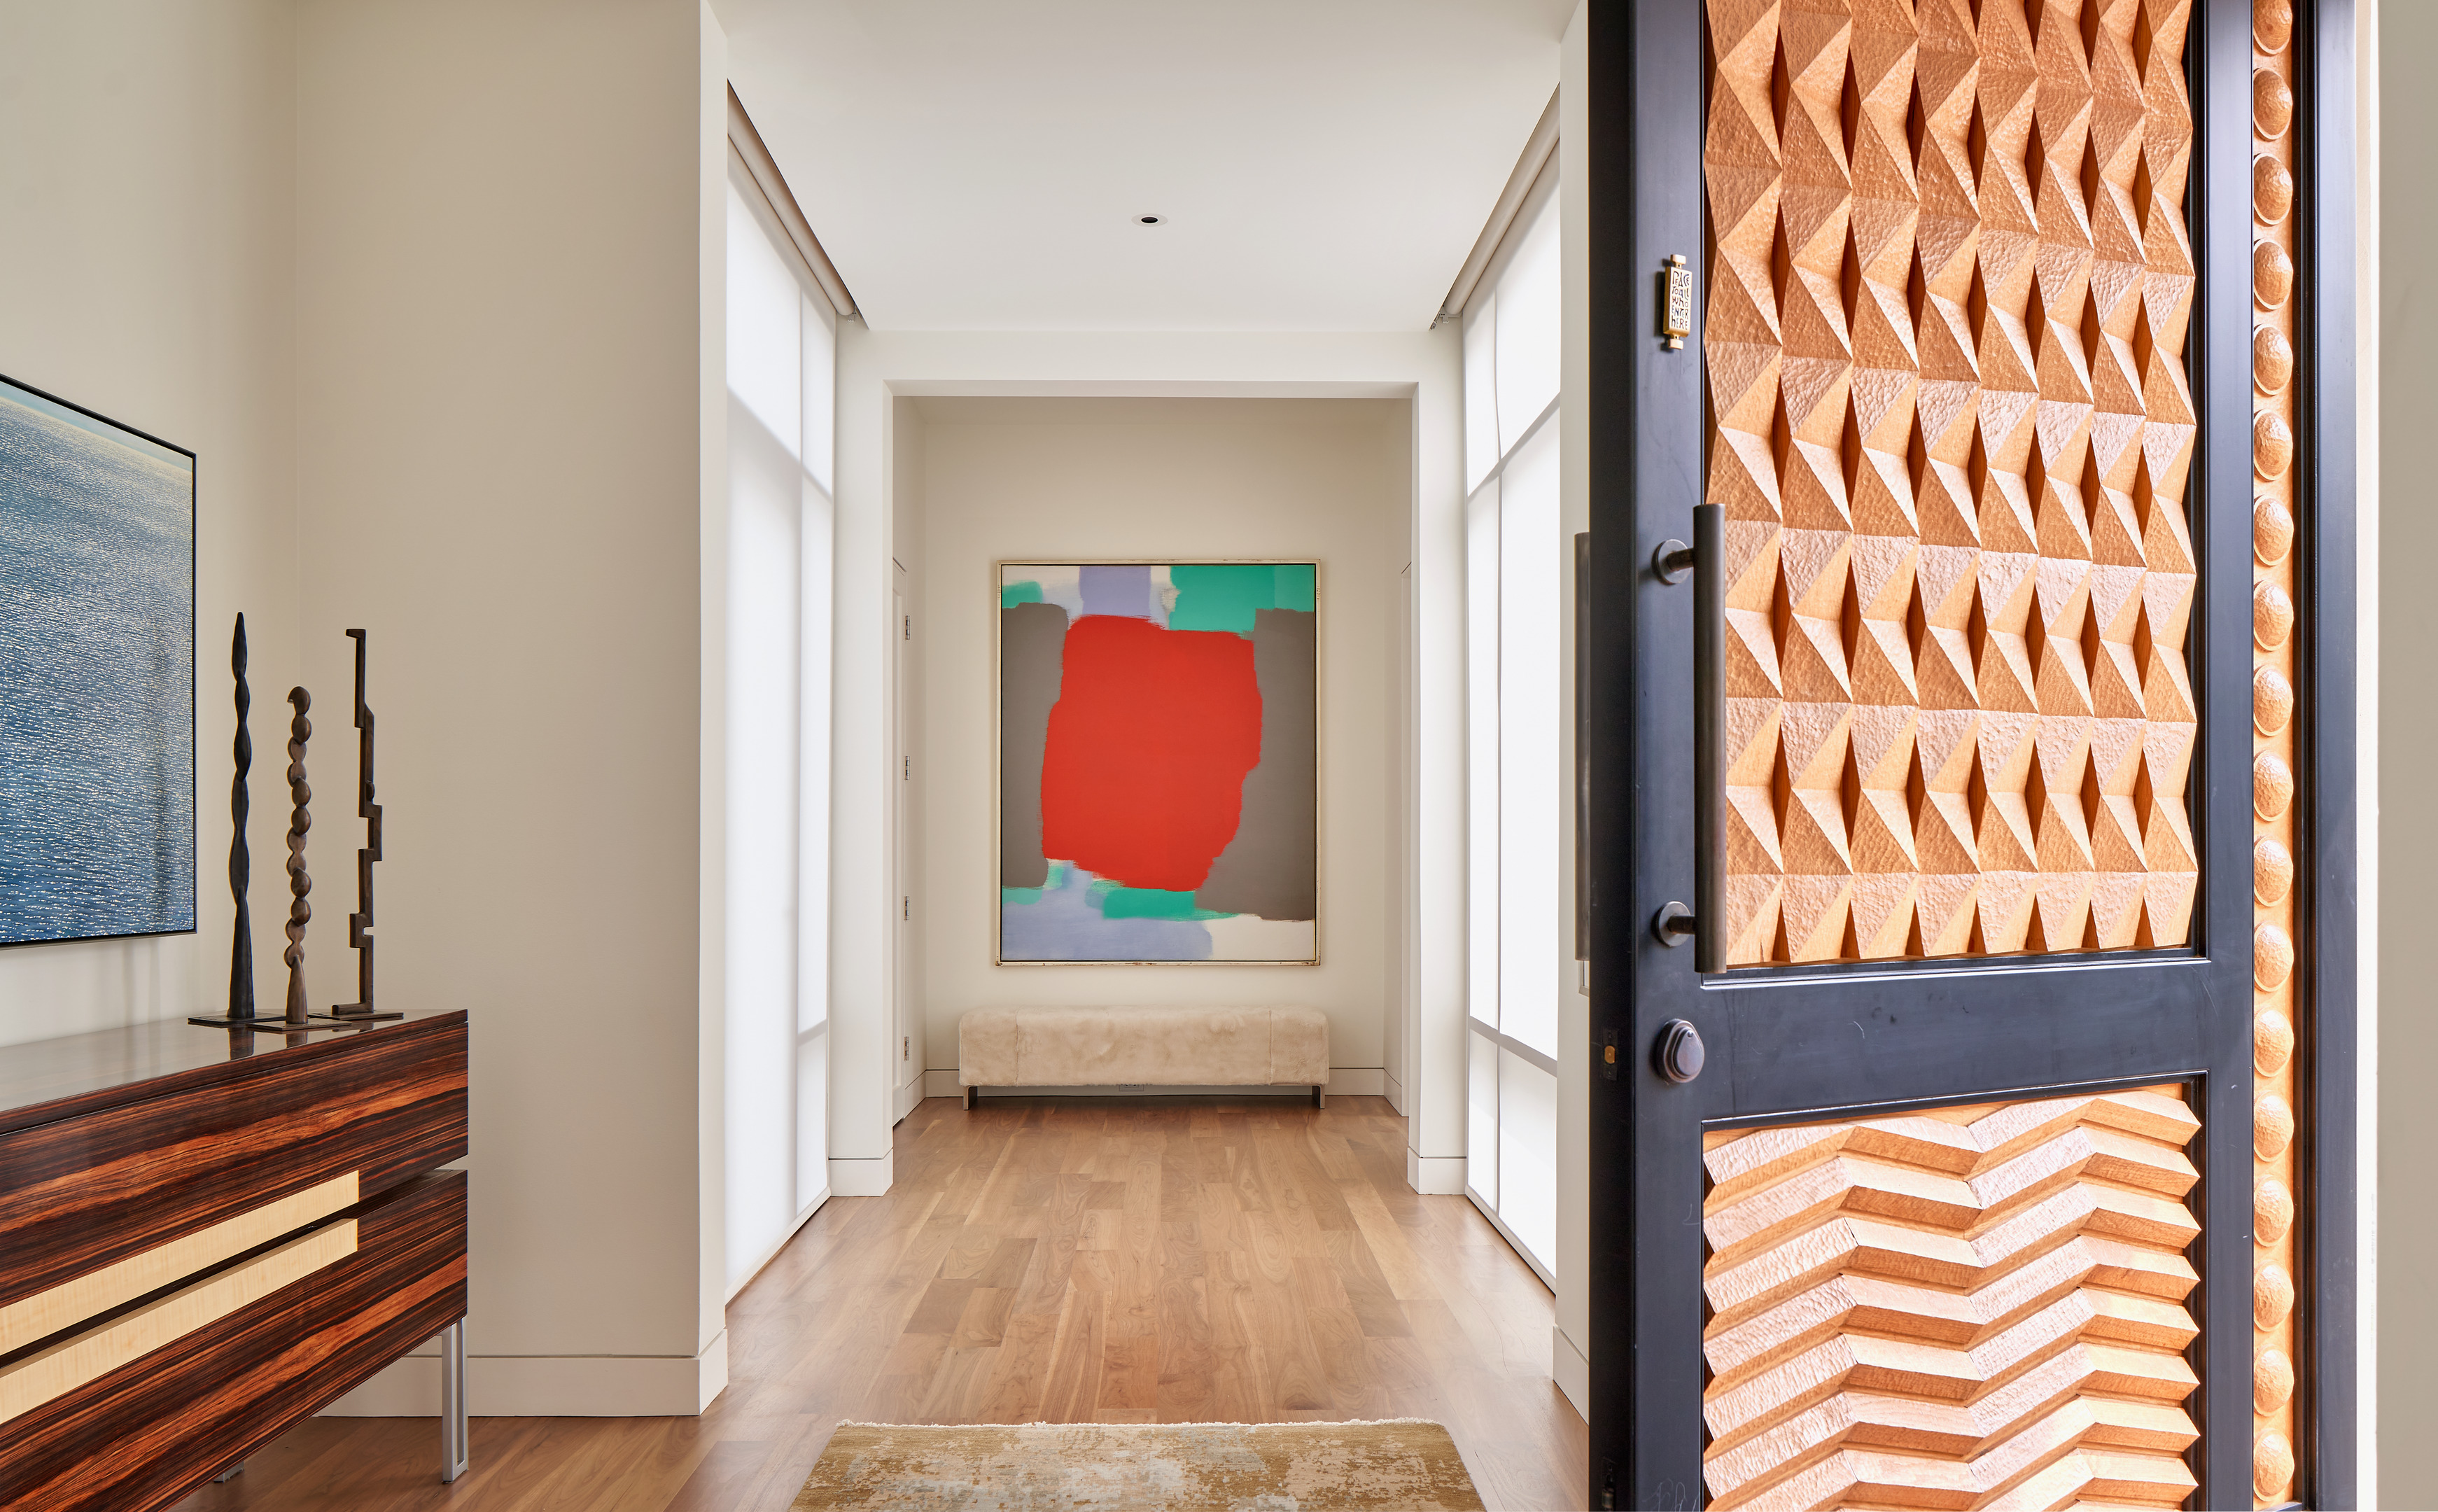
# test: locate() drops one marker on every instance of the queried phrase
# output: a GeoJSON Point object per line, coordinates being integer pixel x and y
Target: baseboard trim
{"type": "Point", "coordinates": [1344, 1082]}
{"type": "Point", "coordinates": [548, 1387]}
{"type": "Point", "coordinates": [1571, 1371]}
{"type": "Point", "coordinates": [1435, 1176]}
{"type": "Point", "coordinates": [1394, 1091]}
{"type": "Point", "coordinates": [863, 1178]}
{"type": "Point", "coordinates": [908, 1095]}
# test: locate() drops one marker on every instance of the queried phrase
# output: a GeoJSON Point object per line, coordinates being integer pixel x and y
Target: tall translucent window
{"type": "Point", "coordinates": [1516, 559]}
{"type": "Point", "coordinates": [782, 354]}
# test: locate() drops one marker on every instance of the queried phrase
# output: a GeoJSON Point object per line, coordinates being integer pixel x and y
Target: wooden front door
{"type": "Point", "coordinates": [1950, 764]}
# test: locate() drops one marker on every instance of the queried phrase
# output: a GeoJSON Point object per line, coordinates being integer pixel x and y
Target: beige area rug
{"type": "Point", "coordinates": [1407, 1466]}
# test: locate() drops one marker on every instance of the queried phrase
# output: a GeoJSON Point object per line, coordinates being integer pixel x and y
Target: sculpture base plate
{"type": "Point", "coordinates": [269, 1026]}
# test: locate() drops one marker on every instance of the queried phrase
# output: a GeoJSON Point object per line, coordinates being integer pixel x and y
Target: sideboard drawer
{"type": "Point", "coordinates": [86, 1191]}
{"type": "Point", "coordinates": [141, 1435]}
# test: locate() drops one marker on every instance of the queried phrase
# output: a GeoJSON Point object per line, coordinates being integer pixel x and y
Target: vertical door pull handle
{"type": "Point", "coordinates": [1678, 1053]}
{"type": "Point", "coordinates": [1710, 736]}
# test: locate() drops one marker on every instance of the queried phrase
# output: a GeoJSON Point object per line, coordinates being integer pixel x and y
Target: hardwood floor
{"type": "Point", "coordinates": [1152, 1259]}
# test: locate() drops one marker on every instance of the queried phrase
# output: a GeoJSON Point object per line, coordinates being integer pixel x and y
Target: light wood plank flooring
{"type": "Point", "coordinates": [1153, 1260]}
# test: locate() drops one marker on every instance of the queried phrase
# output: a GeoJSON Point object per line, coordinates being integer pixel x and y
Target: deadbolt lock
{"type": "Point", "coordinates": [1678, 1053]}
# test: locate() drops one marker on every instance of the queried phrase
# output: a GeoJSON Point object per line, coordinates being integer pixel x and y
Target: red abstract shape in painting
{"type": "Point", "coordinates": [1143, 772]}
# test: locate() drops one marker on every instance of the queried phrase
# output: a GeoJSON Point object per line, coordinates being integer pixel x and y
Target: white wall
{"type": "Point", "coordinates": [511, 452]}
{"type": "Point", "coordinates": [878, 368]}
{"type": "Point", "coordinates": [149, 251]}
{"type": "Point", "coordinates": [1071, 479]}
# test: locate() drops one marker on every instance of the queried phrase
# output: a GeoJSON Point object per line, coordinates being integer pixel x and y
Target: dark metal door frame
{"type": "Point", "coordinates": [1931, 1031]}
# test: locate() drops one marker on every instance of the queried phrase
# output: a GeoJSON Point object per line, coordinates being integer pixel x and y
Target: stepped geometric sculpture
{"type": "Point", "coordinates": [360, 923]}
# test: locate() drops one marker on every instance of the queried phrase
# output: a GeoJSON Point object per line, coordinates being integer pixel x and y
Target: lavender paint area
{"type": "Point", "coordinates": [1063, 921]}
{"type": "Point", "coordinates": [1120, 589]}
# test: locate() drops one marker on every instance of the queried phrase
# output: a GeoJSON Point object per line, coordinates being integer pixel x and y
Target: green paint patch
{"type": "Point", "coordinates": [1220, 597]}
{"type": "Point", "coordinates": [1019, 895]}
{"type": "Point", "coordinates": [1146, 903]}
{"type": "Point", "coordinates": [1293, 589]}
{"type": "Point", "coordinates": [1012, 594]}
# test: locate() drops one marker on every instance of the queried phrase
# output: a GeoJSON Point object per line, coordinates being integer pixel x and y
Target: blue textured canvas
{"type": "Point", "coordinates": [97, 677]}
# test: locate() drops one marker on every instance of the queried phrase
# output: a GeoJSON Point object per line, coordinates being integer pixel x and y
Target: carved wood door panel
{"type": "Point", "coordinates": [1944, 800]}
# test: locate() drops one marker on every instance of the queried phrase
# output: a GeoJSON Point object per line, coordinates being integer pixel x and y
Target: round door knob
{"type": "Point", "coordinates": [1680, 1054]}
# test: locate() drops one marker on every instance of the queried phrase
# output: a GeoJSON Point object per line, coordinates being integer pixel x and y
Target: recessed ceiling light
{"type": "Point", "coordinates": [1149, 219]}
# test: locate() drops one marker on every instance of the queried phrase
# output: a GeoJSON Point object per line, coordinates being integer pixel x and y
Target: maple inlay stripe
{"type": "Point", "coordinates": [1969, 1307]}
{"type": "Point", "coordinates": [88, 1356]}
{"type": "Point", "coordinates": [1949, 289]}
{"type": "Point", "coordinates": [96, 1292]}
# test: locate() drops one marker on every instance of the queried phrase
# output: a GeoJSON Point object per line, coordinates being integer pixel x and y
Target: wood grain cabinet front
{"type": "Point", "coordinates": [203, 1240]}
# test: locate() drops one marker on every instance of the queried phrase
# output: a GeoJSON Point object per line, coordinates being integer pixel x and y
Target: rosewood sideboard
{"type": "Point", "coordinates": [208, 1235]}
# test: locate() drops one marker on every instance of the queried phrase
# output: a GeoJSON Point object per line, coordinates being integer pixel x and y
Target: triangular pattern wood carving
{"type": "Point", "coordinates": [1981, 1306]}
{"type": "Point", "coordinates": [1949, 288]}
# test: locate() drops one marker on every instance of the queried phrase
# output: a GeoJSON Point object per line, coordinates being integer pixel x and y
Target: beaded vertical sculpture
{"type": "Point", "coordinates": [300, 882]}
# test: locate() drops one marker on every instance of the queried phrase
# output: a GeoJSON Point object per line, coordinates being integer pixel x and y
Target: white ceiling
{"type": "Point", "coordinates": [977, 165]}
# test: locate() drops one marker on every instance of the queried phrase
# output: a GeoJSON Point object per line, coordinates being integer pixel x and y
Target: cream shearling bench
{"type": "Point", "coordinates": [1144, 1047]}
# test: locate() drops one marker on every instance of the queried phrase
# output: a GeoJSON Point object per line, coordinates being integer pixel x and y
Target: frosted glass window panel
{"type": "Point", "coordinates": [1481, 450]}
{"type": "Point", "coordinates": [1531, 745]}
{"type": "Point", "coordinates": [1530, 321]}
{"type": "Point", "coordinates": [765, 329]}
{"type": "Point", "coordinates": [813, 765]}
{"type": "Point", "coordinates": [821, 393]}
{"type": "Point", "coordinates": [1481, 1120]}
{"type": "Point", "coordinates": [1527, 1155]}
{"type": "Point", "coordinates": [762, 729]}
{"type": "Point", "coordinates": [812, 1121]}
{"type": "Point", "coordinates": [1481, 719]}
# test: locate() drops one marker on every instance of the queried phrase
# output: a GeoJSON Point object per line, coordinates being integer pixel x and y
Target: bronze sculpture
{"type": "Point", "coordinates": [360, 923]}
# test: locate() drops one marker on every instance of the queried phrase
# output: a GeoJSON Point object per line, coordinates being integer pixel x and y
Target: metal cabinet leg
{"type": "Point", "coordinates": [454, 1453]}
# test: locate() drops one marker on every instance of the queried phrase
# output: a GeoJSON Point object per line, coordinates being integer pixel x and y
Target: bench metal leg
{"type": "Point", "coordinates": [454, 1451]}
{"type": "Point", "coordinates": [973, 1095]}
{"type": "Point", "coordinates": [1321, 1096]}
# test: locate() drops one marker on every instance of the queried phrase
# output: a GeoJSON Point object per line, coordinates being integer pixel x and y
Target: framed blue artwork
{"type": "Point", "coordinates": [97, 676]}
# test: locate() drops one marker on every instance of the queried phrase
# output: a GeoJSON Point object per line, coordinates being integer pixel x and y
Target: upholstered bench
{"type": "Point", "coordinates": [1144, 1047]}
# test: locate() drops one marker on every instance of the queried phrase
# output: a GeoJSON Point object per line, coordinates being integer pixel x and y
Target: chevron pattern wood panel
{"type": "Point", "coordinates": [1949, 288]}
{"type": "Point", "coordinates": [2276, 502]}
{"type": "Point", "coordinates": [1979, 1306]}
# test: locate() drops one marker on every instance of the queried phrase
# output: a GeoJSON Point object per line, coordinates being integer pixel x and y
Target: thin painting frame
{"type": "Point", "coordinates": [38, 880]}
{"type": "Point", "coordinates": [1001, 815]}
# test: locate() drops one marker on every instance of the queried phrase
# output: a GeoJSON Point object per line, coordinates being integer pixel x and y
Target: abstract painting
{"type": "Point", "coordinates": [97, 676]}
{"type": "Point", "coordinates": [1158, 762]}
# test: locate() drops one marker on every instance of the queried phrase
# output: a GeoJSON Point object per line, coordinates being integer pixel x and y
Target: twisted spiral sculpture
{"type": "Point", "coordinates": [240, 862]}
{"type": "Point", "coordinates": [300, 819]}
